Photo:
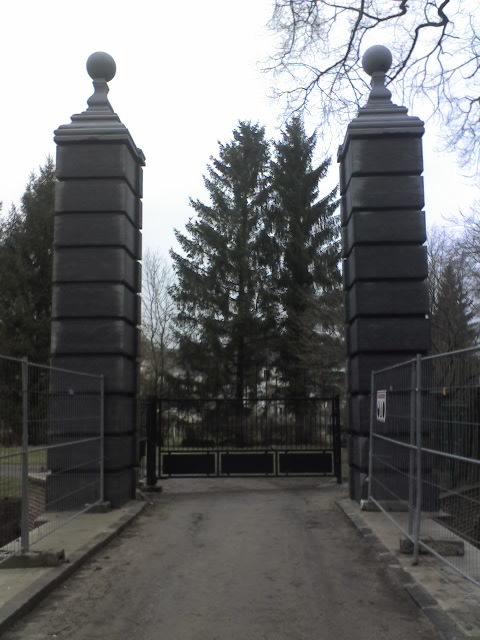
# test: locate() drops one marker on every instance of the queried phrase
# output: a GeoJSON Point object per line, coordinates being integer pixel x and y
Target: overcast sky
{"type": "Point", "coordinates": [186, 73]}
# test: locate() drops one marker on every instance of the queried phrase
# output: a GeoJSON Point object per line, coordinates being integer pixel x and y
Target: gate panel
{"type": "Point", "coordinates": [247, 463]}
{"type": "Point", "coordinates": [305, 463]}
{"type": "Point", "coordinates": [175, 463]}
{"type": "Point", "coordinates": [261, 436]}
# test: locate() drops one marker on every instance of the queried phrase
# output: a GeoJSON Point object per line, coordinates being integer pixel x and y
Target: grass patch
{"type": "Point", "coordinates": [10, 487]}
{"type": "Point", "coordinates": [13, 456]}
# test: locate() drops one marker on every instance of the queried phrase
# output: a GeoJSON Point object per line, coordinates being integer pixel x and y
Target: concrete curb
{"type": "Point", "coordinates": [444, 624]}
{"type": "Point", "coordinates": [24, 602]}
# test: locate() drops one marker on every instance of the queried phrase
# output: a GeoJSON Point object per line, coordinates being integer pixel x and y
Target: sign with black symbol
{"type": "Point", "coordinates": [381, 406]}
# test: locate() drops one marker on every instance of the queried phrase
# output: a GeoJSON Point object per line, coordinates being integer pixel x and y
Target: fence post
{"type": "Point", "coordinates": [151, 428]}
{"type": "Point", "coordinates": [411, 461]}
{"type": "Point", "coordinates": [418, 425]}
{"type": "Point", "coordinates": [102, 438]}
{"type": "Point", "coordinates": [337, 444]}
{"type": "Point", "coordinates": [370, 448]}
{"type": "Point", "coordinates": [159, 436]}
{"type": "Point", "coordinates": [25, 524]}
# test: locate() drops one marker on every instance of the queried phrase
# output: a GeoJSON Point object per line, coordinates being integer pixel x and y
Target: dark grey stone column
{"type": "Point", "coordinates": [384, 260]}
{"type": "Point", "coordinates": [96, 272]}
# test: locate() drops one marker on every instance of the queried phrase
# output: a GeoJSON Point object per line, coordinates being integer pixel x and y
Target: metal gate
{"type": "Point", "coordinates": [256, 437]}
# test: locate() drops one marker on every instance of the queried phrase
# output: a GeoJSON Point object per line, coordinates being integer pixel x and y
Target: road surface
{"type": "Point", "coordinates": [232, 560]}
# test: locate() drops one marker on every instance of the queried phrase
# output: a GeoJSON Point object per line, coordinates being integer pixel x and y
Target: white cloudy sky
{"type": "Point", "coordinates": [186, 73]}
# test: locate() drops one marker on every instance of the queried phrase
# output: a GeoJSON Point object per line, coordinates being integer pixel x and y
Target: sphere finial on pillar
{"type": "Point", "coordinates": [377, 59]}
{"type": "Point", "coordinates": [376, 62]}
{"type": "Point", "coordinates": [101, 68]}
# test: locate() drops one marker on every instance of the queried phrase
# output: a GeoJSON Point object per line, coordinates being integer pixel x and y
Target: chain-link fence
{"type": "Point", "coordinates": [425, 455]}
{"type": "Point", "coordinates": [51, 450]}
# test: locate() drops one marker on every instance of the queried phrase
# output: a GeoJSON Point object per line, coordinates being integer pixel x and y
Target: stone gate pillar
{"type": "Point", "coordinates": [96, 272]}
{"type": "Point", "coordinates": [384, 260]}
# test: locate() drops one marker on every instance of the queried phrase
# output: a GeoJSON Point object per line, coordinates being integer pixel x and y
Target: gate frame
{"type": "Point", "coordinates": [155, 449]}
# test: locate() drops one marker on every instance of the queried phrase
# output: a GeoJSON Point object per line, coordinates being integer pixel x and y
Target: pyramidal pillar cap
{"type": "Point", "coordinates": [98, 121]}
{"type": "Point", "coordinates": [380, 115]}
{"type": "Point", "coordinates": [99, 115]}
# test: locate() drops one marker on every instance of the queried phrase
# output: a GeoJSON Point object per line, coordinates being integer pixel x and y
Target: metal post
{"type": "Point", "coordinates": [102, 439]}
{"type": "Point", "coordinates": [411, 463]}
{"type": "Point", "coordinates": [418, 424]}
{"type": "Point", "coordinates": [370, 448]}
{"type": "Point", "coordinates": [159, 436]}
{"type": "Point", "coordinates": [337, 444]}
{"type": "Point", "coordinates": [25, 524]}
{"type": "Point", "coordinates": [217, 425]}
{"type": "Point", "coordinates": [151, 441]}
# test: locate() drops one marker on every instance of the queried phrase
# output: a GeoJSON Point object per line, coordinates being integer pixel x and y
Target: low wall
{"type": "Point", "coordinates": [10, 516]}
{"type": "Point", "coordinates": [37, 491]}
{"type": "Point", "coordinates": [11, 509]}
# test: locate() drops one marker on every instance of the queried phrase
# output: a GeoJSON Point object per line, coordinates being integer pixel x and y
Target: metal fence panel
{"type": "Point", "coordinates": [393, 436]}
{"type": "Point", "coordinates": [51, 450]}
{"type": "Point", "coordinates": [451, 458]}
{"type": "Point", "coordinates": [425, 454]}
{"type": "Point", "coordinates": [11, 457]}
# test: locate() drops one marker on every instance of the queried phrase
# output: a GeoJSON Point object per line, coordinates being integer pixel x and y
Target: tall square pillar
{"type": "Point", "coordinates": [384, 257]}
{"type": "Point", "coordinates": [96, 272]}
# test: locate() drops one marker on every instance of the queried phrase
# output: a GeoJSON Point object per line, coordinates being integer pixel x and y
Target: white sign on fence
{"type": "Point", "coordinates": [381, 406]}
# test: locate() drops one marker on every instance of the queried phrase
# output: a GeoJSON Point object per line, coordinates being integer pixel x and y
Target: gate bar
{"type": "Point", "coordinates": [151, 428]}
{"type": "Point", "coordinates": [337, 443]}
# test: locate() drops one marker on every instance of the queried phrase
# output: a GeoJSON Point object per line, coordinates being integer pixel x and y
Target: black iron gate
{"type": "Point", "coordinates": [256, 437]}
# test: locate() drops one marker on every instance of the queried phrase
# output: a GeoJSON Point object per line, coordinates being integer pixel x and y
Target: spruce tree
{"type": "Point", "coordinates": [26, 242]}
{"type": "Point", "coordinates": [453, 316]}
{"type": "Point", "coordinates": [219, 271]}
{"type": "Point", "coordinates": [453, 378]}
{"type": "Point", "coordinates": [305, 238]}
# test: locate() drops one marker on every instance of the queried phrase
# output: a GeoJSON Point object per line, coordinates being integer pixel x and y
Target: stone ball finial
{"type": "Point", "coordinates": [101, 66]}
{"type": "Point", "coordinates": [377, 59]}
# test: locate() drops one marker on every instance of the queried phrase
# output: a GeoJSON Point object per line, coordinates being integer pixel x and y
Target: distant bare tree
{"type": "Point", "coordinates": [435, 46]}
{"type": "Point", "coordinates": [158, 311]}
{"type": "Point", "coordinates": [469, 225]}
{"type": "Point", "coordinates": [439, 251]}
{"type": "Point", "coordinates": [453, 300]}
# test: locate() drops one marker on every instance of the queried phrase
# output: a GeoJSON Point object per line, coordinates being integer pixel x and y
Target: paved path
{"type": "Point", "coordinates": [232, 560]}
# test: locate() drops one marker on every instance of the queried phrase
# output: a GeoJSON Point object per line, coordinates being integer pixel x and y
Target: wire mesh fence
{"type": "Point", "coordinates": [51, 450]}
{"type": "Point", "coordinates": [425, 455]}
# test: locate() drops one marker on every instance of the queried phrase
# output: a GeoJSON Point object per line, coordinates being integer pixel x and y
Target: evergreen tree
{"type": "Point", "coordinates": [26, 239]}
{"type": "Point", "coordinates": [454, 327]}
{"type": "Point", "coordinates": [219, 274]}
{"type": "Point", "coordinates": [453, 313]}
{"type": "Point", "coordinates": [305, 240]}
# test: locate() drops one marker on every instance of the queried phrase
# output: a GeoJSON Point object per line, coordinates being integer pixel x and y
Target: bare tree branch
{"type": "Point", "coordinates": [435, 46]}
{"type": "Point", "coordinates": [158, 311]}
